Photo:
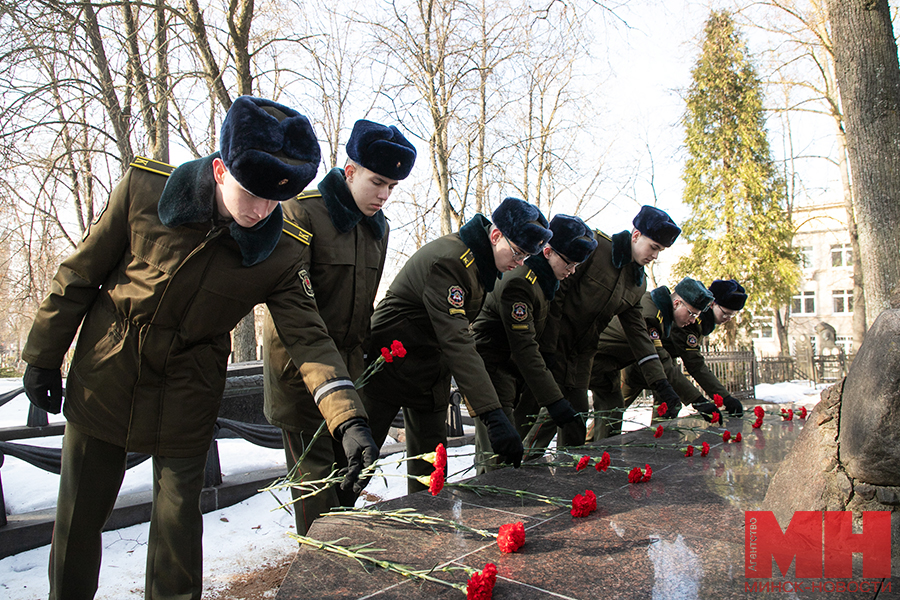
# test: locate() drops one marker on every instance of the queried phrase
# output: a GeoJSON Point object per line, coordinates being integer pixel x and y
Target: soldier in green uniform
{"type": "Point", "coordinates": [662, 311]}
{"type": "Point", "coordinates": [341, 231]}
{"type": "Point", "coordinates": [685, 343]}
{"type": "Point", "coordinates": [156, 285]}
{"type": "Point", "coordinates": [513, 317]}
{"type": "Point", "coordinates": [610, 282]}
{"type": "Point", "coordinates": [428, 307]}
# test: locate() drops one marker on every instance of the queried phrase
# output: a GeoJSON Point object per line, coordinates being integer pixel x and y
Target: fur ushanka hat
{"type": "Point", "coordinates": [656, 225]}
{"type": "Point", "coordinates": [270, 149]}
{"type": "Point", "coordinates": [572, 238]}
{"type": "Point", "coordinates": [694, 293]}
{"type": "Point", "coordinates": [381, 149]}
{"type": "Point", "coordinates": [523, 224]}
{"type": "Point", "coordinates": [728, 293]}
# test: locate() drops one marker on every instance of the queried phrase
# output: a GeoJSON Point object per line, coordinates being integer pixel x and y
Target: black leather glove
{"type": "Point", "coordinates": [504, 439]}
{"type": "Point", "coordinates": [664, 392]}
{"type": "Point", "coordinates": [43, 388]}
{"type": "Point", "coordinates": [562, 412]}
{"type": "Point", "coordinates": [733, 406]}
{"type": "Point", "coordinates": [359, 447]}
{"type": "Point", "coordinates": [707, 410]}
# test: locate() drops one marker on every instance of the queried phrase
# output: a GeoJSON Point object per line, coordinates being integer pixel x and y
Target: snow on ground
{"type": "Point", "coordinates": [237, 539]}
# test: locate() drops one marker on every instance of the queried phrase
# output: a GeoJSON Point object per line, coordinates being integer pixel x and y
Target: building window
{"type": "Point", "coordinates": [842, 301]}
{"type": "Point", "coordinates": [841, 255]}
{"type": "Point", "coordinates": [845, 342]}
{"type": "Point", "coordinates": [806, 257]}
{"type": "Point", "coordinates": [763, 328]}
{"type": "Point", "coordinates": [804, 303]}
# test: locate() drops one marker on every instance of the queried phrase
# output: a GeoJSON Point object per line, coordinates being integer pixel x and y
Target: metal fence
{"type": "Point", "coordinates": [736, 369]}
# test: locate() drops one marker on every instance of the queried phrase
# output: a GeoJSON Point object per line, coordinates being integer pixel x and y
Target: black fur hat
{"type": "Point", "coordinates": [270, 149]}
{"type": "Point", "coordinates": [523, 224]}
{"type": "Point", "coordinates": [728, 293]}
{"type": "Point", "coordinates": [656, 225]}
{"type": "Point", "coordinates": [694, 293]}
{"type": "Point", "coordinates": [381, 149]}
{"type": "Point", "coordinates": [572, 238]}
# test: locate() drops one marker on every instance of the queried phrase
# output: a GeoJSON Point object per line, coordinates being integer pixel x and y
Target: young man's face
{"type": "Point", "coordinates": [722, 315]}
{"type": "Point", "coordinates": [562, 266]}
{"type": "Point", "coordinates": [644, 250]}
{"type": "Point", "coordinates": [507, 255]}
{"type": "Point", "coordinates": [684, 313]}
{"type": "Point", "coordinates": [369, 189]}
{"type": "Point", "coordinates": [234, 202]}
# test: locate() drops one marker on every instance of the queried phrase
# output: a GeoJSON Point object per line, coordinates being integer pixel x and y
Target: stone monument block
{"type": "Point", "coordinates": [870, 412]}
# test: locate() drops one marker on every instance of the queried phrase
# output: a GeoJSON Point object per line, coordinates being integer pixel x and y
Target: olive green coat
{"type": "Point", "coordinates": [343, 252]}
{"type": "Point", "coordinates": [615, 350]}
{"type": "Point", "coordinates": [513, 317]}
{"type": "Point", "coordinates": [156, 305]}
{"type": "Point", "coordinates": [607, 284]}
{"type": "Point", "coordinates": [685, 343]}
{"type": "Point", "coordinates": [428, 307]}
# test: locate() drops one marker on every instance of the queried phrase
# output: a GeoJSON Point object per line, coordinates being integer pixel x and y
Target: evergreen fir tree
{"type": "Point", "coordinates": [739, 227]}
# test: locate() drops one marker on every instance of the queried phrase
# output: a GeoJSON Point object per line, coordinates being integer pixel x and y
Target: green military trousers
{"type": "Point", "coordinates": [92, 473]}
{"type": "Point", "coordinates": [325, 454]}
{"type": "Point", "coordinates": [424, 429]}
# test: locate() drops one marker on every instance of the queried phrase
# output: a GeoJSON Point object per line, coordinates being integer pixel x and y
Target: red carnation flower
{"type": "Point", "coordinates": [440, 459]}
{"type": "Point", "coordinates": [603, 463]}
{"type": "Point", "coordinates": [726, 435]}
{"type": "Point", "coordinates": [787, 415]}
{"type": "Point", "coordinates": [704, 450]}
{"type": "Point", "coordinates": [662, 409]}
{"type": "Point", "coordinates": [802, 412]}
{"type": "Point", "coordinates": [759, 411]}
{"type": "Point", "coordinates": [511, 537]}
{"type": "Point", "coordinates": [689, 451]}
{"type": "Point", "coordinates": [386, 355]}
{"type": "Point", "coordinates": [737, 437]}
{"type": "Point", "coordinates": [717, 399]}
{"type": "Point", "coordinates": [481, 585]}
{"type": "Point", "coordinates": [397, 349]}
{"type": "Point", "coordinates": [659, 431]}
{"type": "Point", "coordinates": [714, 418]}
{"type": "Point", "coordinates": [436, 482]}
{"type": "Point", "coordinates": [647, 473]}
{"type": "Point", "coordinates": [582, 463]}
{"type": "Point", "coordinates": [758, 423]}
{"type": "Point", "coordinates": [584, 505]}
{"type": "Point", "coordinates": [635, 475]}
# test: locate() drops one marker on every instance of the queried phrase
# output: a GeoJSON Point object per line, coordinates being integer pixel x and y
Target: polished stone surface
{"type": "Point", "coordinates": [678, 536]}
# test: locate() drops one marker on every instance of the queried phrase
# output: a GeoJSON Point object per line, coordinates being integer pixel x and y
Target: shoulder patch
{"type": "Point", "coordinates": [303, 274]}
{"type": "Point", "coordinates": [154, 166]}
{"type": "Point", "coordinates": [456, 296]}
{"type": "Point", "coordinates": [467, 258]}
{"type": "Point", "coordinates": [298, 233]}
{"type": "Point", "coordinates": [531, 277]}
{"type": "Point", "coordinates": [692, 340]}
{"type": "Point", "coordinates": [519, 311]}
{"type": "Point", "coordinates": [654, 334]}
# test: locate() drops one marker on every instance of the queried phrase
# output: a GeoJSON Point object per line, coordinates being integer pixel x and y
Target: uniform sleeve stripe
{"type": "Point", "coordinates": [331, 386]}
{"type": "Point", "coordinates": [648, 357]}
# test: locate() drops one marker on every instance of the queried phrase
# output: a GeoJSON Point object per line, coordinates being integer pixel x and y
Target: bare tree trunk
{"type": "Point", "coordinates": [108, 89]}
{"type": "Point", "coordinates": [868, 77]}
{"type": "Point", "coordinates": [213, 74]}
{"type": "Point", "coordinates": [161, 83]}
{"type": "Point", "coordinates": [784, 344]}
{"type": "Point", "coordinates": [859, 297]}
